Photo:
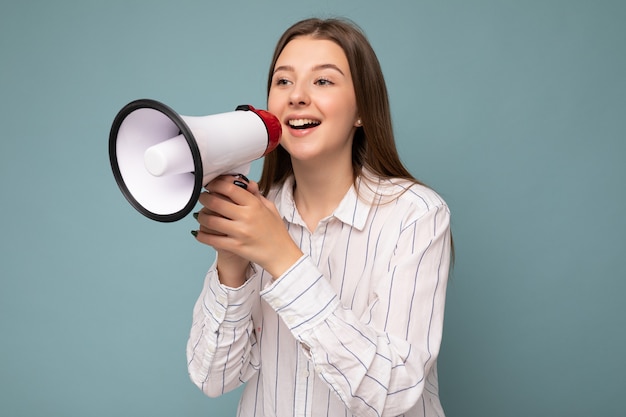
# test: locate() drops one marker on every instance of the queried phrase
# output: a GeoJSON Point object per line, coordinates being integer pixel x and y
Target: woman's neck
{"type": "Point", "coordinates": [317, 193]}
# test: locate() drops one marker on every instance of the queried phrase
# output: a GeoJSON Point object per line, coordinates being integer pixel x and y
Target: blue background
{"type": "Point", "coordinates": [515, 111]}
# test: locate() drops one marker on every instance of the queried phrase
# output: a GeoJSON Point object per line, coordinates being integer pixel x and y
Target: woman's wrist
{"type": "Point", "coordinates": [232, 274]}
{"type": "Point", "coordinates": [279, 265]}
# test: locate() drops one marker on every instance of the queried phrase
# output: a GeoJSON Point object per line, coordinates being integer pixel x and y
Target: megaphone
{"type": "Point", "coordinates": [161, 160]}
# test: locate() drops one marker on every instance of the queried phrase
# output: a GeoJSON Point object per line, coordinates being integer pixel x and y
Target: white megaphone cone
{"type": "Point", "coordinates": [161, 160]}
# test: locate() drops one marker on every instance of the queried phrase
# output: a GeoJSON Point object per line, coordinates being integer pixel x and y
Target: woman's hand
{"type": "Point", "coordinates": [243, 226]}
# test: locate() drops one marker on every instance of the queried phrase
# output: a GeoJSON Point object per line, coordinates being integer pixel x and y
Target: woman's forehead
{"type": "Point", "coordinates": [307, 52]}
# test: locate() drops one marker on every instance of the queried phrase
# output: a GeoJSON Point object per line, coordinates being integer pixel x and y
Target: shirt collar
{"type": "Point", "coordinates": [352, 210]}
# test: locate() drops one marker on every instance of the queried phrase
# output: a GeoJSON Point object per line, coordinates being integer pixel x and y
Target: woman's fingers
{"type": "Point", "coordinates": [227, 198]}
{"type": "Point", "coordinates": [235, 187]}
{"type": "Point", "coordinates": [217, 204]}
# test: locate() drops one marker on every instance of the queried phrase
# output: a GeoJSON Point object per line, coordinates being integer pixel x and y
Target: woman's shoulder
{"type": "Point", "coordinates": [417, 202]}
{"type": "Point", "coordinates": [404, 192]}
{"type": "Point", "coordinates": [421, 194]}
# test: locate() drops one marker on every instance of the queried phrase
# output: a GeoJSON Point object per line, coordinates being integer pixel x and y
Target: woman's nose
{"type": "Point", "coordinates": [298, 96]}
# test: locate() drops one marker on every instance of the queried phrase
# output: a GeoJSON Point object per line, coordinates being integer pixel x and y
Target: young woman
{"type": "Point", "coordinates": [327, 294]}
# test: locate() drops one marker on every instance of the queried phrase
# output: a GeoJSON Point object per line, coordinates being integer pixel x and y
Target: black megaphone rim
{"type": "Point", "coordinates": [191, 141]}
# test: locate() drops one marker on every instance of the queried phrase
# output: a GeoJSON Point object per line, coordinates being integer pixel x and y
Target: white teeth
{"type": "Point", "coordinates": [302, 122]}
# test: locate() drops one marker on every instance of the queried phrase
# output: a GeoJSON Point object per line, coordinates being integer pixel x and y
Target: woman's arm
{"type": "Point", "coordinates": [376, 363]}
{"type": "Point", "coordinates": [243, 227]}
{"type": "Point", "coordinates": [222, 352]}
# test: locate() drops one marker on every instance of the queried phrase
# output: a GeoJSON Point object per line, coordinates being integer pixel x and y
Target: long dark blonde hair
{"type": "Point", "coordinates": [373, 146]}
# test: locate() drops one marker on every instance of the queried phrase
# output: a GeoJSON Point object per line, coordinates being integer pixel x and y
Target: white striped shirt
{"type": "Point", "coordinates": [351, 329]}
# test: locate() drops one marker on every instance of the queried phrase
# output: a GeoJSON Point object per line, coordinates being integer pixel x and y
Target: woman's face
{"type": "Point", "coordinates": [313, 96]}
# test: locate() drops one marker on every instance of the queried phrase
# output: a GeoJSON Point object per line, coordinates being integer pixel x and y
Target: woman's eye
{"type": "Point", "coordinates": [323, 81]}
{"type": "Point", "coordinates": [281, 81]}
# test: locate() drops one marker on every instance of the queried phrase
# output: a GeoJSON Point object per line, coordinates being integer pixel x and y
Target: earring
{"type": "Point", "coordinates": [359, 123]}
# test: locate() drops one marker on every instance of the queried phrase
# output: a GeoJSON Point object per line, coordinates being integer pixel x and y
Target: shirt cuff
{"type": "Point", "coordinates": [302, 296]}
{"type": "Point", "coordinates": [230, 307]}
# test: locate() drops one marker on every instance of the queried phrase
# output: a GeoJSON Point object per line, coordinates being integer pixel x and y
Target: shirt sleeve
{"type": "Point", "coordinates": [377, 363]}
{"type": "Point", "coordinates": [222, 352]}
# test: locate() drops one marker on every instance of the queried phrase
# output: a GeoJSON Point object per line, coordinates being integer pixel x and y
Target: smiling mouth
{"type": "Point", "coordinates": [303, 123]}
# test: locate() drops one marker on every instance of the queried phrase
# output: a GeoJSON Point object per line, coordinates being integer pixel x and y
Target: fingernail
{"type": "Point", "coordinates": [241, 184]}
{"type": "Point", "coordinates": [195, 215]}
{"type": "Point", "coordinates": [194, 233]}
{"type": "Point", "coordinates": [243, 177]}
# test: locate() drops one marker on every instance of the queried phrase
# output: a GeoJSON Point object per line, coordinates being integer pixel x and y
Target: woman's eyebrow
{"type": "Point", "coordinates": [284, 68]}
{"type": "Point", "coordinates": [290, 68]}
{"type": "Point", "coordinates": [328, 66]}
